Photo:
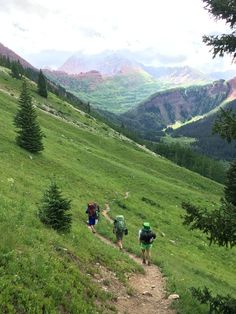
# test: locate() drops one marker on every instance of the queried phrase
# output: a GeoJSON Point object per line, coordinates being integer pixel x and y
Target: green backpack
{"type": "Point", "coordinates": [119, 224]}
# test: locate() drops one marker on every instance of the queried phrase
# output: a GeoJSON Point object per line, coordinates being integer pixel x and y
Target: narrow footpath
{"type": "Point", "coordinates": [148, 290]}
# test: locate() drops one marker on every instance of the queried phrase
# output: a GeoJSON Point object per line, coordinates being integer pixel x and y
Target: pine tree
{"type": "Point", "coordinates": [53, 209]}
{"type": "Point", "coordinates": [88, 107]}
{"type": "Point", "coordinates": [225, 43]}
{"type": "Point", "coordinates": [230, 185]}
{"type": "Point", "coordinates": [42, 85]}
{"type": "Point", "coordinates": [29, 133]}
{"type": "Point", "coordinates": [15, 71]}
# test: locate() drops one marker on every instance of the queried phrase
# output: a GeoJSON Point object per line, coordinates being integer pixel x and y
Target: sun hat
{"type": "Point", "coordinates": [146, 225]}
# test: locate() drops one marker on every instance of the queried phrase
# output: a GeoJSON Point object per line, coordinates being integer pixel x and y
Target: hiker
{"type": "Point", "coordinates": [119, 230]}
{"type": "Point", "coordinates": [146, 238]}
{"type": "Point", "coordinates": [93, 215]}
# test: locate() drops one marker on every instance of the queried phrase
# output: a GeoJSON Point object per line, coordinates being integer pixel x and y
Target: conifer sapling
{"type": "Point", "coordinates": [53, 210]}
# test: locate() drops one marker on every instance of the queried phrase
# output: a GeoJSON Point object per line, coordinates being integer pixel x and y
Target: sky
{"type": "Point", "coordinates": [162, 32]}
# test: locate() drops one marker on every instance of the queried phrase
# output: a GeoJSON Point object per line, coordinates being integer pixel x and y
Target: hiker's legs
{"type": "Point", "coordinates": [120, 245]}
{"type": "Point", "coordinates": [148, 254]}
{"type": "Point", "coordinates": [92, 223]}
{"type": "Point", "coordinates": [93, 229]}
{"type": "Point", "coordinates": [119, 238]}
{"type": "Point", "coordinates": [143, 256]}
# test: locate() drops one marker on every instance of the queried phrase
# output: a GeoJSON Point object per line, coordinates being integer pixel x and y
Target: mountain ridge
{"type": "Point", "coordinates": [178, 104]}
{"type": "Point", "coordinates": [8, 53]}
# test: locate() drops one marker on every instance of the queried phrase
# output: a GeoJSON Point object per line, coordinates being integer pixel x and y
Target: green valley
{"type": "Point", "coordinates": [117, 94]}
{"type": "Point", "coordinates": [43, 271]}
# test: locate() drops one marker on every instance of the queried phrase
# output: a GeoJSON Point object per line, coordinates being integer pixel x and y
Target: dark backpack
{"type": "Point", "coordinates": [147, 236]}
{"type": "Point", "coordinates": [92, 210]}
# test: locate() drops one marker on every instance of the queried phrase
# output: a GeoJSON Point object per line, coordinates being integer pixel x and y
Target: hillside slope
{"type": "Point", "coordinates": [44, 271]}
{"type": "Point", "coordinates": [206, 142]}
{"type": "Point", "coordinates": [179, 104]}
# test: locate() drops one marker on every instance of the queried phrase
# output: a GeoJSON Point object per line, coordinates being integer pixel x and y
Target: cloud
{"type": "Point", "coordinates": [89, 32]}
{"type": "Point", "coordinates": [170, 30]}
{"type": "Point", "coordinates": [16, 25]}
{"type": "Point", "coordinates": [27, 6]}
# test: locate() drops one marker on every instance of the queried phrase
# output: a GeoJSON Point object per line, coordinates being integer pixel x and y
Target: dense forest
{"type": "Point", "coordinates": [186, 157]}
{"type": "Point", "coordinates": [207, 142]}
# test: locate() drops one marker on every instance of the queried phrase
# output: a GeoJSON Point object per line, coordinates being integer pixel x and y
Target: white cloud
{"type": "Point", "coordinates": [169, 27]}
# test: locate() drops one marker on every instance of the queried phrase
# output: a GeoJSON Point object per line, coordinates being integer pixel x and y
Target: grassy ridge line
{"type": "Point", "coordinates": [98, 166]}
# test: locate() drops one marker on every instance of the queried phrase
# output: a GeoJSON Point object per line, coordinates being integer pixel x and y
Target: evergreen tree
{"type": "Point", "coordinates": [230, 185]}
{"type": "Point", "coordinates": [225, 43]}
{"type": "Point", "coordinates": [42, 85]}
{"type": "Point", "coordinates": [29, 133]}
{"type": "Point", "coordinates": [15, 70]}
{"type": "Point", "coordinates": [88, 107]}
{"type": "Point", "coordinates": [53, 210]}
{"type": "Point", "coordinates": [20, 69]}
{"type": "Point", "coordinates": [225, 125]}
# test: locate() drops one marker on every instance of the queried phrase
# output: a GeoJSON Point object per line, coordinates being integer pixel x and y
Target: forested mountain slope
{"type": "Point", "coordinates": [179, 104]}
{"type": "Point", "coordinates": [207, 142]}
{"type": "Point", "coordinates": [43, 271]}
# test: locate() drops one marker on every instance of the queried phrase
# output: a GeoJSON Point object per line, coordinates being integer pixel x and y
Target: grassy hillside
{"type": "Point", "coordinates": [44, 271]}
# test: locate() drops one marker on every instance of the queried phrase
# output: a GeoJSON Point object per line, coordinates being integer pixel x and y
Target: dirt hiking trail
{"type": "Point", "coordinates": [148, 294]}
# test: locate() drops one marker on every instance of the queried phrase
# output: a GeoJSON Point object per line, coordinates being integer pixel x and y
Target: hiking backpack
{"type": "Point", "coordinates": [147, 236]}
{"type": "Point", "coordinates": [119, 224]}
{"type": "Point", "coordinates": [92, 210]}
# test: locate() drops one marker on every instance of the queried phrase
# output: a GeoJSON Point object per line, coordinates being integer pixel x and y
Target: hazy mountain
{"type": "Point", "coordinates": [177, 75]}
{"type": "Point", "coordinates": [107, 63]}
{"type": "Point", "coordinates": [112, 63]}
{"type": "Point", "coordinates": [4, 51]}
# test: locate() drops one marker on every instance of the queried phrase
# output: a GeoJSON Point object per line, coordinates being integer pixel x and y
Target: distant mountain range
{"type": "Point", "coordinates": [115, 63]}
{"type": "Point", "coordinates": [108, 64]}
{"type": "Point", "coordinates": [116, 82]}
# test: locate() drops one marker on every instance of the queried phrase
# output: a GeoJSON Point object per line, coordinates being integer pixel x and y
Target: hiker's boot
{"type": "Point", "coordinates": [144, 261]}
{"type": "Point", "coordinates": [149, 263]}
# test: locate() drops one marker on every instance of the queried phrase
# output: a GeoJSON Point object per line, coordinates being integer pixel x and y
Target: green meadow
{"type": "Point", "coordinates": [46, 272]}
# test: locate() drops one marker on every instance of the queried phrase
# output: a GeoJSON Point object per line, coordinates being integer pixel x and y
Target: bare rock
{"type": "Point", "coordinates": [147, 293]}
{"type": "Point", "coordinates": [173, 296]}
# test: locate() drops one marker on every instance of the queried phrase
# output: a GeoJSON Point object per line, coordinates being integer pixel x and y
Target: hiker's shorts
{"type": "Point", "coordinates": [92, 221]}
{"type": "Point", "coordinates": [119, 236]}
{"type": "Point", "coordinates": [145, 246]}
